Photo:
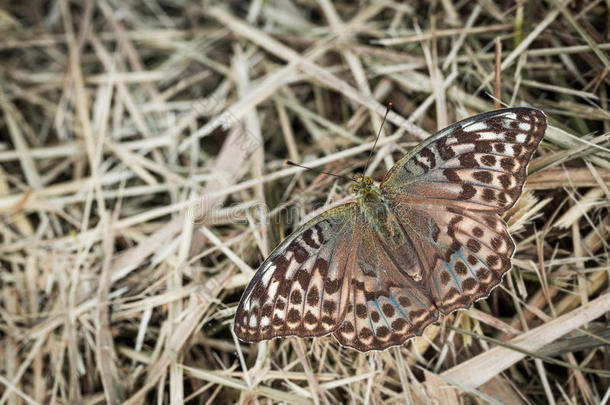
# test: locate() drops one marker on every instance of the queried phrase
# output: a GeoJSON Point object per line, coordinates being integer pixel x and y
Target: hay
{"type": "Point", "coordinates": [142, 183]}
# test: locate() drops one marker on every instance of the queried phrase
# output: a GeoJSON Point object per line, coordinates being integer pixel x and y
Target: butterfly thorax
{"type": "Point", "coordinates": [371, 204]}
{"type": "Point", "coordinates": [374, 208]}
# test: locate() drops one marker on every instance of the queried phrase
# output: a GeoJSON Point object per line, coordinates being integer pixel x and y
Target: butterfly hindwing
{"type": "Point", "coordinates": [386, 306]}
{"type": "Point", "coordinates": [299, 290]}
{"type": "Point", "coordinates": [470, 250]}
{"type": "Point", "coordinates": [480, 162]}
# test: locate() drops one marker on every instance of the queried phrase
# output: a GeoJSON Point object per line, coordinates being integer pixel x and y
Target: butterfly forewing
{"type": "Point", "coordinates": [299, 290]}
{"type": "Point", "coordinates": [478, 163]}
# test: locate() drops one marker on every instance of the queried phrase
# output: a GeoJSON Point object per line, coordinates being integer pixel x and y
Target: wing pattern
{"type": "Point", "coordinates": [470, 250]}
{"type": "Point", "coordinates": [299, 290]}
{"type": "Point", "coordinates": [479, 163]}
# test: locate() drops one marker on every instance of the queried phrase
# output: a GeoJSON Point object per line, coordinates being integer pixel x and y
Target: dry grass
{"type": "Point", "coordinates": [142, 183]}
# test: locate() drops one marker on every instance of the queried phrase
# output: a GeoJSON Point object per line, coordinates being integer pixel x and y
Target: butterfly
{"type": "Point", "coordinates": [427, 241]}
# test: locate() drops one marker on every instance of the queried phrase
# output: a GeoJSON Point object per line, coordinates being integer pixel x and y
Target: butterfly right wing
{"type": "Point", "coordinates": [448, 193]}
{"type": "Point", "coordinates": [301, 289]}
{"type": "Point", "coordinates": [468, 251]}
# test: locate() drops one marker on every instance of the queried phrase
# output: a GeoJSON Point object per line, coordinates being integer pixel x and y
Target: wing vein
{"type": "Point", "coordinates": [330, 260]}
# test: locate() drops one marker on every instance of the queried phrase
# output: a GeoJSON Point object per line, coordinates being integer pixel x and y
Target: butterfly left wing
{"type": "Point", "coordinates": [300, 289]}
{"type": "Point", "coordinates": [479, 163]}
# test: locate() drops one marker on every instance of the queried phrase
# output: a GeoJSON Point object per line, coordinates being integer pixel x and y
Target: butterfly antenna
{"type": "Point", "coordinates": [387, 110]}
{"type": "Point", "coordinates": [291, 163]}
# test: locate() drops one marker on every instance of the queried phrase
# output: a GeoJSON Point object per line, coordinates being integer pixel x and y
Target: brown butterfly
{"type": "Point", "coordinates": [427, 240]}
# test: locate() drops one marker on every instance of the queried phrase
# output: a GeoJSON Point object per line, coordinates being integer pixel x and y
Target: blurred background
{"type": "Point", "coordinates": [142, 183]}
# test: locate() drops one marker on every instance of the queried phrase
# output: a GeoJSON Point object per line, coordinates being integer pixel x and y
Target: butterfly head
{"type": "Point", "coordinates": [363, 186]}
